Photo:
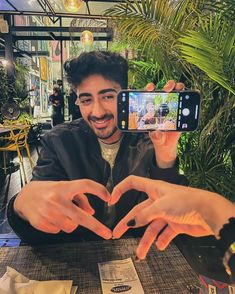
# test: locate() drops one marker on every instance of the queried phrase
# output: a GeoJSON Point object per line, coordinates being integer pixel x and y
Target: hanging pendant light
{"type": "Point", "coordinates": [86, 38]}
{"type": "Point", "coordinates": [72, 5]}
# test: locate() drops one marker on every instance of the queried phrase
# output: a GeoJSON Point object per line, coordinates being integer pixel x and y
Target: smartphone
{"type": "Point", "coordinates": [159, 110]}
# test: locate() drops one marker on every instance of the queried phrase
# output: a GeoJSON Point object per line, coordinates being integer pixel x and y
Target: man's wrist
{"type": "Point", "coordinates": [165, 164]}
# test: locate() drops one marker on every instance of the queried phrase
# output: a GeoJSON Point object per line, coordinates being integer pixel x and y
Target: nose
{"type": "Point", "coordinates": [98, 109]}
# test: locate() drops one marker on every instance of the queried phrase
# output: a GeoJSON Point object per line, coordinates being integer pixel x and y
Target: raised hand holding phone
{"type": "Point", "coordinates": [165, 143]}
{"type": "Point", "coordinates": [159, 111]}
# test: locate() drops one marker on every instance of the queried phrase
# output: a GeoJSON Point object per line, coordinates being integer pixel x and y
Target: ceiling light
{"type": "Point", "coordinates": [87, 38]}
{"type": "Point", "coordinates": [72, 5]}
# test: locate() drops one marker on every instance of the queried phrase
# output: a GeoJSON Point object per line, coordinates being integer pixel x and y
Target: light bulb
{"type": "Point", "coordinates": [72, 5]}
{"type": "Point", "coordinates": [87, 38]}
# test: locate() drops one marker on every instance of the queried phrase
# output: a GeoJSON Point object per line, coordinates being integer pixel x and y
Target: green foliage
{"type": "Point", "coordinates": [226, 8]}
{"type": "Point", "coordinates": [212, 50]}
{"type": "Point", "coordinates": [18, 89]}
{"type": "Point", "coordinates": [3, 85]}
{"type": "Point", "coordinates": [25, 117]}
{"type": "Point", "coordinates": [21, 83]}
{"type": "Point", "coordinates": [191, 41]}
{"type": "Point", "coordinates": [143, 72]}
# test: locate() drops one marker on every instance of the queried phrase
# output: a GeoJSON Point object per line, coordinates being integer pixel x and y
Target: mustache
{"type": "Point", "coordinates": [95, 118]}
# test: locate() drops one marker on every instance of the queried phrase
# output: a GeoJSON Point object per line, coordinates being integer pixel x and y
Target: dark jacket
{"type": "Point", "coordinates": [71, 151]}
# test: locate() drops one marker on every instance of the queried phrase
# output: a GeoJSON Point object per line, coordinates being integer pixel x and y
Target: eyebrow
{"type": "Point", "coordinates": [100, 92]}
{"type": "Point", "coordinates": [107, 90]}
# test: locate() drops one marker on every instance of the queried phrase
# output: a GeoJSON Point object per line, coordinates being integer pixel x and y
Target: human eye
{"type": "Point", "coordinates": [85, 101]}
{"type": "Point", "coordinates": [109, 97]}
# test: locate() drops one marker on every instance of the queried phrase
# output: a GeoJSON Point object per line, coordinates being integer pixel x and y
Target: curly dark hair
{"type": "Point", "coordinates": [111, 66]}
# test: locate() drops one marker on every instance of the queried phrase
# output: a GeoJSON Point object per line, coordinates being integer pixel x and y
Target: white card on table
{"type": "Point", "coordinates": [119, 276]}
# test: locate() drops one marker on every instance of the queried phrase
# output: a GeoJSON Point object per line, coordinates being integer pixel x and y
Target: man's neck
{"type": "Point", "coordinates": [110, 143]}
{"type": "Point", "coordinates": [114, 139]}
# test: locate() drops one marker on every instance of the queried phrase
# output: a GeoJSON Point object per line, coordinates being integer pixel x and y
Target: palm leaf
{"type": "Point", "coordinates": [225, 7]}
{"type": "Point", "coordinates": [211, 49]}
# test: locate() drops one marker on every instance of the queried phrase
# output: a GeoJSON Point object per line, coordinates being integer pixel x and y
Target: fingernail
{"type": "Point", "coordinates": [137, 259]}
{"type": "Point", "coordinates": [131, 223]}
{"type": "Point", "coordinates": [108, 235]}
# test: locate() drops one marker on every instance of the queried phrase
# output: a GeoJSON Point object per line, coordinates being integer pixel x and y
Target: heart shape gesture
{"type": "Point", "coordinates": [170, 210]}
{"type": "Point", "coordinates": [61, 206]}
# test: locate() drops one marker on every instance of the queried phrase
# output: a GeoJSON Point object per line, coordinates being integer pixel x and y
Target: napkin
{"type": "Point", "coordinates": [13, 282]}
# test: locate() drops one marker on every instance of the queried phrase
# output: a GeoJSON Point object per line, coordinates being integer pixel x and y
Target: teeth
{"type": "Point", "coordinates": [100, 121]}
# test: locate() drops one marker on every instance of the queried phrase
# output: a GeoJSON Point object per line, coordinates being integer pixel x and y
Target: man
{"type": "Point", "coordinates": [57, 101]}
{"type": "Point", "coordinates": [90, 156]}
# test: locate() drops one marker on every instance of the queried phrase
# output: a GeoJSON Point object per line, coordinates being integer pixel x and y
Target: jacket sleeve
{"type": "Point", "coordinates": [170, 175]}
{"type": "Point", "coordinates": [48, 169]}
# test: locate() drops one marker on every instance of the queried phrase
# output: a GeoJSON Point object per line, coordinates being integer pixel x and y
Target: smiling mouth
{"type": "Point", "coordinates": [100, 124]}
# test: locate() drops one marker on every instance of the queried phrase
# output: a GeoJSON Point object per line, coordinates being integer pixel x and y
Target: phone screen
{"type": "Point", "coordinates": [148, 111]}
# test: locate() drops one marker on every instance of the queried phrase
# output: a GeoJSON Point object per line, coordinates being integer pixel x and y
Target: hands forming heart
{"type": "Point", "coordinates": [62, 206]}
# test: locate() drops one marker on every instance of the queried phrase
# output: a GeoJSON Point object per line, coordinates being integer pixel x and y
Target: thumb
{"type": "Point", "coordinates": [82, 201]}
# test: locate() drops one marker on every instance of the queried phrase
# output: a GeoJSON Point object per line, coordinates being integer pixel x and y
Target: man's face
{"type": "Point", "coordinates": [97, 99]}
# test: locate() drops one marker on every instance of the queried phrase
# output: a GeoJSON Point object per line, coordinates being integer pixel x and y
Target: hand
{"type": "Point", "coordinates": [54, 206]}
{"type": "Point", "coordinates": [177, 208]}
{"type": "Point", "coordinates": [165, 143]}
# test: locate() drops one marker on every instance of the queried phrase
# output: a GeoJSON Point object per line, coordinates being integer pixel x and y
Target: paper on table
{"type": "Point", "coordinates": [119, 276]}
{"type": "Point", "coordinates": [12, 282]}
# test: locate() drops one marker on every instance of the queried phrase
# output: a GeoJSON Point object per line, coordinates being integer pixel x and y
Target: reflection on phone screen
{"type": "Point", "coordinates": [153, 111]}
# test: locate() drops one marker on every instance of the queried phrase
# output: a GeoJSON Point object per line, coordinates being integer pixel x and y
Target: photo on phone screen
{"type": "Point", "coordinates": [144, 111]}
{"type": "Point", "coordinates": [153, 111]}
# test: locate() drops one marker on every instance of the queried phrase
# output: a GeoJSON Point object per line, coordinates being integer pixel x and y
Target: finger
{"type": "Point", "coordinates": [165, 238]}
{"type": "Point", "coordinates": [64, 223]}
{"type": "Point", "coordinates": [45, 227]}
{"type": "Point", "coordinates": [82, 201]}
{"type": "Point", "coordinates": [149, 237]}
{"type": "Point", "coordinates": [150, 87]}
{"type": "Point", "coordinates": [148, 213]}
{"type": "Point", "coordinates": [122, 227]}
{"type": "Point", "coordinates": [179, 86]}
{"type": "Point", "coordinates": [170, 85]}
{"type": "Point", "coordinates": [59, 219]}
{"type": "Point", "coordinates": [86, 186]}
{"type": "Point", "coordinates": [131, 182]}
{"type": "Point", "coordinates": [81, 217]}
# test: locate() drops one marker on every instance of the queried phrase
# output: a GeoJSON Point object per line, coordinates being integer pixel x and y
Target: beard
{"type": "Point", "coordinates": [106, 132]}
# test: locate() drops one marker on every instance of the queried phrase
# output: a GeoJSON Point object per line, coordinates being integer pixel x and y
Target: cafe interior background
{"type": "Point", "coordinates": [188, 41]}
